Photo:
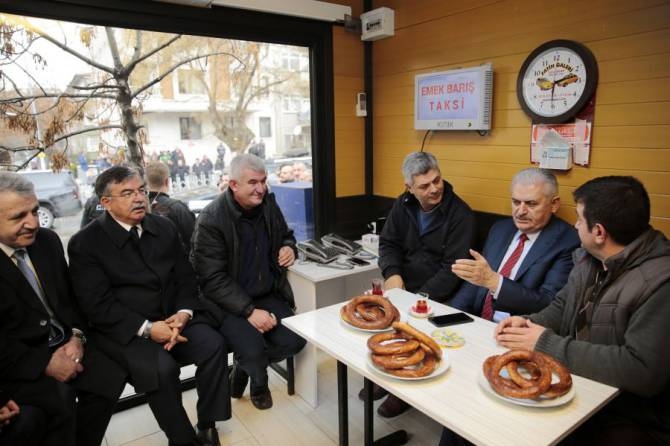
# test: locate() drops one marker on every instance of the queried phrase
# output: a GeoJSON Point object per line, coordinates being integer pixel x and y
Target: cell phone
{"type": "Point", "coordinates": [450, 319]}
{"type": "Point", "coordinates": [357, 261]}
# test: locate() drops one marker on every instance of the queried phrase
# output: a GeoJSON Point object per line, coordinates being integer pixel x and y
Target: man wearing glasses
{"type": "Point", "coordinates": [135, 284]}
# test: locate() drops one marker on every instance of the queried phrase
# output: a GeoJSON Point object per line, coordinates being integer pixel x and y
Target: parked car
{"type": "Point", "coordinates": [57, 193]}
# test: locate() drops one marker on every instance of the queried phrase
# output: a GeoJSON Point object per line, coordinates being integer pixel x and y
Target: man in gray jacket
{"type": "Point", "coordinates": [609, 323]}
{"type": "Point", "coordinates": [241, 250]}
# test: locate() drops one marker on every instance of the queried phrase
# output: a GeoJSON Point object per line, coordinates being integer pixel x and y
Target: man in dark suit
{"type": "Point", "coordinates": [135, 284]}
{"type": "Point", "coordinates": [526, 258]}
{"type": "Point", "coordinates": [525, 261]}
{"type": "Point", "coordinates": [45, 361]}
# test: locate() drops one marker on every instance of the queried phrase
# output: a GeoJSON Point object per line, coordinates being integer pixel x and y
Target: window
{"type": "Point", "coordinates": [191, 81]}
{"type": "Point", "coordinates": [265, 127]}
{"type": "Point", "coordinates": [190, 128]}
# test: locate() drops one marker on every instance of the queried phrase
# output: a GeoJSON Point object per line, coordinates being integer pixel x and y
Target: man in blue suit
{"type": "Point", "coordinates": [525, 261]}
{"type": "Point", "coordinates": [526, 258]}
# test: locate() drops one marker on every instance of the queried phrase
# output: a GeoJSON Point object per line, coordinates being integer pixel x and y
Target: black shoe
{"type": "Point", "coordinates": [195, 442]}
{"type": "Point", "coordinates": [238, 380]}
{"type": "Point", "coordinates": [378, 393]}
{"type": "Point", "coordinates": [392, 407]}
{"type": "Point", "coordinates": [207, 437]}
{"type": "Point", "coordinates": [262, 400]}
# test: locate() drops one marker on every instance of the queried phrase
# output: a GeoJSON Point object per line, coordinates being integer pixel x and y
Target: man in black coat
{"type": "Point", "coordinates": [428, 228]}
{"type": "Point", "coordinates": [45, 361]}
{"type": "Point", "coordinates": [241, 251]}
{"type": "Point", "coordinates": [135, 284]}
{"type": "Point", "coordinates": [158, 177]}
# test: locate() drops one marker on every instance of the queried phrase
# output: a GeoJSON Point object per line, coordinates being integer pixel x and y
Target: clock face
{"type": "Point", "coordinates": [556, 81]}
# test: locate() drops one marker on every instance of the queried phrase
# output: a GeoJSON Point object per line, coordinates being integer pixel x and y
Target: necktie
{"type": "Point", "coordinates": [135, 236]}
{"type": "Point", "coordinates": [487, 310]}
{"type": "Point", "coordinates": [56, 332]}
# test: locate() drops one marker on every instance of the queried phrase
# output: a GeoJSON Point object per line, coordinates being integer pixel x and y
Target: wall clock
{"type": "Point", "coordinates": [556, 80]}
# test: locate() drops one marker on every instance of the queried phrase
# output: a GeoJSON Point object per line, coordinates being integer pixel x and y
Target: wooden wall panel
{"type": "Point", "coordinates": [631, 136]}
{"type": "Point", "coordinates": [349, 129]}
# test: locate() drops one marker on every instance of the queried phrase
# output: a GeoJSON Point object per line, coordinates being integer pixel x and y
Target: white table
{"type": "Point", "coordinates": [316, 287]}
{"type": "Point", "coordinates": [454, 399]}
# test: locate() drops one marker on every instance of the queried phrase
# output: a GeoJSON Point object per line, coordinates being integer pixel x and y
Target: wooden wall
{"type": "Point", "coordinates": [349, 128]}
{"type": "Point", "coordinates": [631, 136]}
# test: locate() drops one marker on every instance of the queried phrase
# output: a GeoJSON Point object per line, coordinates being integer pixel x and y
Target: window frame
{"type": "Point", "coordinates": [225, 22]}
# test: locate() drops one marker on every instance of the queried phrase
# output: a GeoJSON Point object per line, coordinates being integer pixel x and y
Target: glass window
{"type": "Point", "coordinates": [265, 127]}
{"type": "Point", "coordinates": [190, 128]}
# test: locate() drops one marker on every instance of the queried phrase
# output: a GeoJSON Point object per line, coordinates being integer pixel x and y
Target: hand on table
{"type": "Point", "coordinates": [517, 332]}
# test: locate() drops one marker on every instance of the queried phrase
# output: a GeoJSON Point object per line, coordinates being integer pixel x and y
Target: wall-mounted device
{"type": "Point", "coordinates": [377, 24]}
{"type": "Point", "coordinates": [454, 100]}
{"type": "Point", "coordinates": [361, 104]}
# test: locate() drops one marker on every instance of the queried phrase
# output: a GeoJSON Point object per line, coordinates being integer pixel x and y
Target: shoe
{"type": "Point", "coordinates": [195, 442]}
{"type": "Point", "coordinates": [262, 400]}
{"type": "Point", "coordinates": [392, 407]}
{"type": "Point", "coordinates": [207, 437]}
{"type": "Point", "coordinates": [237, 381]}
{"type": "Point", "coordinates": [378, 393]}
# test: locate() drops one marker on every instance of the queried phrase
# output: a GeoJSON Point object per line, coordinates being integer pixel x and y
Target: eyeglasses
{"type": "Point", "coordinates": [126, 194]}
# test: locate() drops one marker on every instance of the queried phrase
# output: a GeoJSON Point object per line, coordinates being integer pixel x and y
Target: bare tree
{"type": "Point", "coordinates": [41, 119]}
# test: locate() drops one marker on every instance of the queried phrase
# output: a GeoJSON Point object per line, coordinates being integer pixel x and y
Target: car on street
{"type": "Point", "coordinates": [57, 194]}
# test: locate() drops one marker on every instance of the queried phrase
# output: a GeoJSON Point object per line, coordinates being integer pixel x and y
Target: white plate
{"type": "Point", "coordinates": [442, 367]}
{"type": "Point", "coordinates": [380, 330]}
{"type": "Point", "coordinates": [420, 315]}
{"type": "Point", "coordinates": [542, 402]}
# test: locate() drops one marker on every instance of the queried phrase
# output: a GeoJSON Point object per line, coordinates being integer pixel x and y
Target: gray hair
{"type": "Point", "coordinates": [14, 182]}
{"type": "Point", "coordinates": [245, 161]}
{"type": "Point", "coordinates": [418, 163]}
{"type": "Point", "coordinates": [533, 175]}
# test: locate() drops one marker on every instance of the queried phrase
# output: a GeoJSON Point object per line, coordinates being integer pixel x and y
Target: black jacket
{"type": "Point", "coordinates": [215, 253]}
{"type": "Point", "coordinates": [424, 262]}
{"type": "Point", "coordinates": [119, 286]}
{"type": "Point", "coordinates": [24, 333]}
{"type": "Point", "coordinates": [177, 212]}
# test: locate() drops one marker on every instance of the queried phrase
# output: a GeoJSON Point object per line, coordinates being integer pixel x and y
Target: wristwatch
{"type": "Point", "coordinates": [77, 333]}
{"type": "Point", "coordinates": [146, 334]}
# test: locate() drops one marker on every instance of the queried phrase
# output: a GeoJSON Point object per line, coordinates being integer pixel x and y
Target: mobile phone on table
{"type": "Point", "coordinates": [357, 261]}
{"type": "Point", "coordinates": [450, 319]}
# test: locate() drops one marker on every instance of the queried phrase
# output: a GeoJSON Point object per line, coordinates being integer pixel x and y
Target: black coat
{"type": "Point", "coordinates": [119, 287]}
{"type": "Point", "coordinates": [215, 253]}
{"type": "Point", "coordinates": [424, 261]}
{"type": "Point", "coordinates": [24, 333]}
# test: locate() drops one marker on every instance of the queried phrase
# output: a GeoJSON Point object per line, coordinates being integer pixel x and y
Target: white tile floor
{"type": "Point", "coordinates": [290, 422]}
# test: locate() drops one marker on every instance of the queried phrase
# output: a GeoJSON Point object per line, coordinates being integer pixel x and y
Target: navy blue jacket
{"type": "Point", "coordinates": [542, 273]}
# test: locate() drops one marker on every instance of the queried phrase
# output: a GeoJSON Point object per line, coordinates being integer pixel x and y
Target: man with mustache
{"type": "Point", "coordinates": [428, 228]}
{"type": "Point", "coordinates": [241, 250]}
{"type": "Point", "coordinates": [63, 388]}
{"type": "Point", "coordinates": [525, 261]}
{"type": "Point", "coordinates": [135, 284]}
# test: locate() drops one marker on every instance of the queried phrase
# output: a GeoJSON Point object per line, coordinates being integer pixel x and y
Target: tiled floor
{"type": "Point", "coordinates": [291, 422]}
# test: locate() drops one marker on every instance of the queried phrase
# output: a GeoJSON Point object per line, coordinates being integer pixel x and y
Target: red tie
{"type": "Point", "coordinates": [487, 311]}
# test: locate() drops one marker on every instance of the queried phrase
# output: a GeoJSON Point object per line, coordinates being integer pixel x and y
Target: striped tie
{"type": "Point", "coordinates": [487, 311]}
{"type": "Point", "coordinates": [56, 332]}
